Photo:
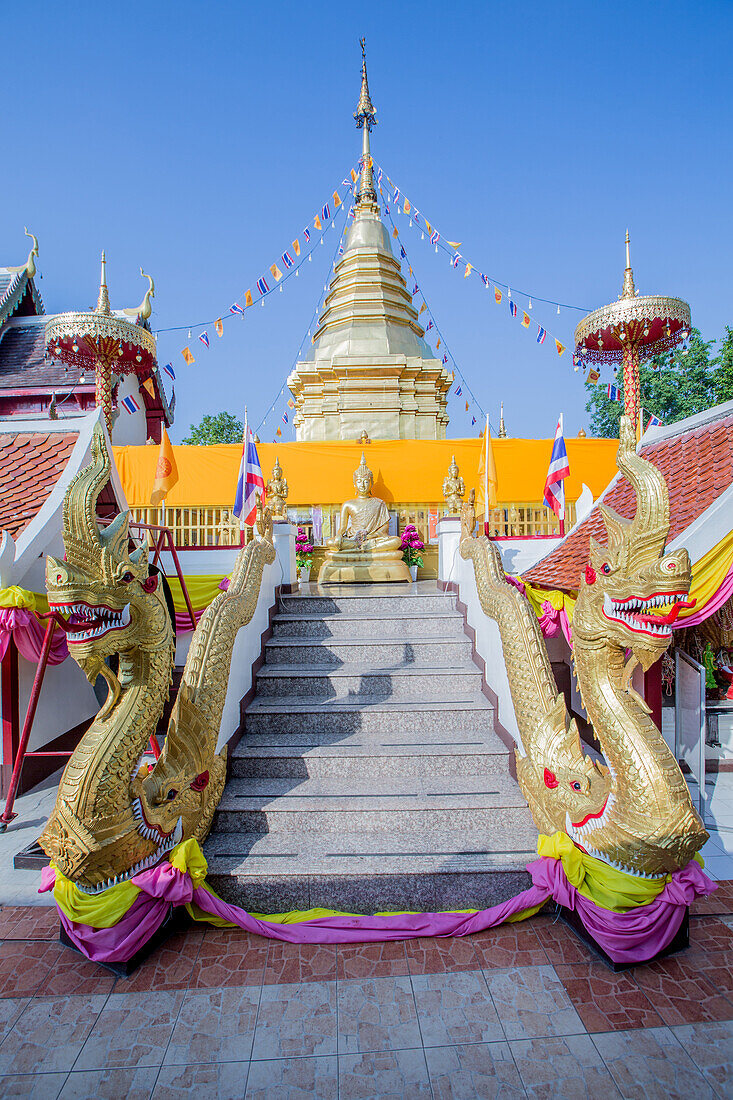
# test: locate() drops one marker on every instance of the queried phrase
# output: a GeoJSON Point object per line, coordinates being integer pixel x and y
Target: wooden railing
{"type": "Point", "coordinates": [211, 527]}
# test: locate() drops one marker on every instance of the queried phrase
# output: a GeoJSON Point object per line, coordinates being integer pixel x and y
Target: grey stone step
{"type": "Point", "coordinates": [387, 600]}
{"type": "Point", "coordinates": [441, 624]}
{"type": "Point", "coordinates": [330, 715]}
{"type": "Point", "coordinates": [369, 805]}
{"type": "Point", "coordinates": [378, 653]}
{"type": "Point", "coordinates": [407, 682]}
{"type": "Point", "coordinates": [358, 757]}
{"type": "Point", "coordinates": [275, 872]}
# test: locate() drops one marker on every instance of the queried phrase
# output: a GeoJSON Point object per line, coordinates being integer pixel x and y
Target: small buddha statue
{"type": "Point", "coordinates": [454, 489]}
{"type": "Point", "coordinates": [277, 492]}
{"type": "Point", "coordinates": [362, 549]}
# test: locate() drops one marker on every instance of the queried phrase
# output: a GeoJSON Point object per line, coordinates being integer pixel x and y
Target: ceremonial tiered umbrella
{"type": "Point", "coordinates": [633, 328]}
{"type": "Point", "coordinates": [107, 343]}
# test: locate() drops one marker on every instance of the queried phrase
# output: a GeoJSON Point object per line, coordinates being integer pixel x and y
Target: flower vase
{"type": "Point", "coordinates": [305, 574]}
{"type": "Point", "coordinates": [413, 572]}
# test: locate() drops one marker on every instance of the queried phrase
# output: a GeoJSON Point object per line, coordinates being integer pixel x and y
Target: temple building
{"type": "Point", "coordinates": [369, 367]}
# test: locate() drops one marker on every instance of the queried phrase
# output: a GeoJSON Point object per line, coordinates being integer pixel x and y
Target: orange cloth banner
{"type": "Point", "coordinates": [405, 471]}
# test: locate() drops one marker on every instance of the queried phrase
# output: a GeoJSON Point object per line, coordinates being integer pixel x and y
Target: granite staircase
{"type": "Point", "coordinates": [369, 775]}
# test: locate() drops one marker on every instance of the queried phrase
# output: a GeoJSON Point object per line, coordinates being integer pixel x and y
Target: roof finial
{"type": "Point", "coordinates": [103, 300]}
{"type": "Point", "coordinates": [30, 264]}
{"type": "Point", "coordinates": [502, 428]}
{"type": "Point", "coordinates": [144, 310]}
{"type": "Point", "coordinates": [628, 290]}
{"type": "Point", "coordinates": [365, 118]}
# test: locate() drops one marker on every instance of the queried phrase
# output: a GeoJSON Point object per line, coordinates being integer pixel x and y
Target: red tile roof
{"type": "Point", "coordinates": [697, 466]}
{"type": "Point", "coordinates": [30, 465]}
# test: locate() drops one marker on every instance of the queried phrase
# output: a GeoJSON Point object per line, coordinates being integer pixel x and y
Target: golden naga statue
{"type": "Point", "coordinates": [113, 817]}
{"type": "Point", "coordinates": [633, 812]}
{"type": "Point", "coordinates": [368, 552]}
{"type": "Point", "coordinates": [277, 492]}
{"type": "Point", "coordinates": [454, 489]}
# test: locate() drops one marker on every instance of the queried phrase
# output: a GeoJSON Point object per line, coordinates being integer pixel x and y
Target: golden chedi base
{"type": "Point", "coordinates": [354, 567]}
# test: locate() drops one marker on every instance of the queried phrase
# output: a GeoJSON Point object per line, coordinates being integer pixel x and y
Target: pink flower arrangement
{"type": "Point", "coordinates": [412, 544]}
{"type": "Point", "coordinates": [303, 550]}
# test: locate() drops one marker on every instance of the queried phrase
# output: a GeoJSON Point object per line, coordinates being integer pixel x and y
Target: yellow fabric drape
{"type": "Point", "coordinates": [557, 599]}
{"type": "Point", "coordinates": [405, 471]}
{"type": "Point", "coordinates": [708, 574]}
{"type": "Point", "coordinates": [21, 597]}
{"type": "Point", "coordinates": [202, 589]}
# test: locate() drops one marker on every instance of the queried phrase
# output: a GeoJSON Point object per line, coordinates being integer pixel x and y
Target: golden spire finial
{"type": "Point", "coordinates": [628, 290]}
{"type": "Point", "coordinates": [502, 428]}
{"type": "Point", "coordinates": [103, 300]}
{"type": "Point", "coordinates": [365, 118]}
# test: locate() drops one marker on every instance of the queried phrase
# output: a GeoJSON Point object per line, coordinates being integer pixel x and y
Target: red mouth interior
{"type": "Point", "coordinates": [671, 616]}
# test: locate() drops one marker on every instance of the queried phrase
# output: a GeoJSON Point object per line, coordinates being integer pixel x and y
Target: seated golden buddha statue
{"type": "Point", "coordinates": [363, 550]}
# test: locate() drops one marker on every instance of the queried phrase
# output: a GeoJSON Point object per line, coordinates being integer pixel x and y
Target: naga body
{"type": "Point", "coordinates": [633, 811]}
{"type": "Point", "coordinates": [115, 815]}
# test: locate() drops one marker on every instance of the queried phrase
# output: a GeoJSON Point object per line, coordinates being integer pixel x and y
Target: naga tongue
{"type": "Point", "coordinates": [671, 616]}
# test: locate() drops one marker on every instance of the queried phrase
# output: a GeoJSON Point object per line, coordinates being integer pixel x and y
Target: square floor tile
{"type": "Point", "coordinates": [562, 1067]}
{"type": "Point", "coordinates": [710, 1046]}
{"type": "Point", "coordinates": [293, 1079]}
{"type": "Point", "coordinates": [10, 1010]}
{"type": "Point", "coordinates": [650, 1064]}
{"type": "Point", "coordinates": [49, 1034]}
{"type": "Point", "coordinates": [24, 965]}
{"type": "Point", "coordinates": [292, 963]}
{"type": "Point", "coordinates": [441, 954]}
{"type": "Point", "coordinates": [509, 945]}
{"type": "Point", "coordinates": [223, 1081]}
{"type": "Point", "coordinates": [230, 958]}
{"type": "Point", "coordinates": [371, 960]}
{"type": "Point", "coordinates": [214, 1025]}
{"type": "Point", "coordinates": [376, 1014]}
{"type": "Point", "coordinates": [606, 1001]}
{"type": "Point", "coordinates": [133, 1029]}
{"type": "Point", "coordinates": [29, 922]}
{"type": "Point", "coordinates": [71, 973]}
{"type": "Point", "coordinates": [561, 945]}
{"type": "Point", "coordinates": [35, 1086]}
{"type": "Point", "coordinates": [455, 1008]}
{"type": "Point", "coordinates": [679, 993]}
{"type": "Point", "coordinates": [384, 1074]}
{"type": "Point", "coordinates": [171, 966]}
{"type": "Point", "coordinates": [110, 1084]}
{"type": "Point", "coordinates": [485, 1070]}
{"type": "Point", "coordinates": [531, 1002]}
{"type": "Point", "coordinates": [296, 1020]}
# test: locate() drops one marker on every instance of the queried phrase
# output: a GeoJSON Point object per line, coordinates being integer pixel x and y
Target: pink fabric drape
{"type": "Point", "coordinates": [722, 596]}
{"type": "Point", "coordinates": [27, 633]}
{"type": "Point", "coordinates": [626, 937]}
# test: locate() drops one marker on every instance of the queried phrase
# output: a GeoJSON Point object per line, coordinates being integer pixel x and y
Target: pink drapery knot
{"type": "Point", "coordinates": [27, 632]}
{"type": "Point", "coordinates": [549, 620]}
{"type": "Point", "coordinates": [224, 584]}
{"type": "Point", "coordinates": [516, 582]}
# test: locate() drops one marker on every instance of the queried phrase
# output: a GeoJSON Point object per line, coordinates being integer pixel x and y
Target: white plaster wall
{"type": "Point", "coordinates": [130, 428]}
{"type": "Point", "coordinates": [66, 699]}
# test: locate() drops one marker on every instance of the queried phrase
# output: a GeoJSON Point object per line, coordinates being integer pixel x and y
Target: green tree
{"type": "Point", "coordinates": [672, 386]}
{"type": "Point", "coordinates": [222, 428]}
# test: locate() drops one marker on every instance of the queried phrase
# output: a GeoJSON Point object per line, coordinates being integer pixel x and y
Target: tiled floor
{"type": "Point", "coordinates": [522, 1010]}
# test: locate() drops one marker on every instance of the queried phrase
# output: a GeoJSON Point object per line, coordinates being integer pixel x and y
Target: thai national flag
{"type": "Point", "coordinates": [654, 422]}
{"type": "Point", "coordinates": [204, 338]}
{"type": "Point", "coordinates": [325, 213]}
{"type": "Point", "coordinates": [396, 198]}
{"type": "Point", "coordinates": [434, 237]}
{"type": "Point", "coordinates": [558, 471]}
{"type": "Point", "coordinates": [613, 392]}
{"type": "Point", "coordinates": [541, 334]}
{"type": "Point", "coordinates": [168, 369]}
{"type": "Point", "coordinates": [473, 421]}
{"type": "Point", "coordinates": [130, 404]}
{"type": "Point", "coordinates": [262, 286]}
{"type": "Point", "coordinates": [287, 259]}
{"type": "Point", "coordinates": [285, 418]}
{"type": "Point", "coordinates": [428, 326]}
{"type": "Point", "coordinates": [456, 260]}
{"type": "Point", "coordinates": [249, 482]}
{"type": "Point", "coordinates": [307, 233]}
{"type": "Point", "coordinates": [236, 308]}
{"type": "Point", "coordinates": [513, 308]}
{"type": "Point", "coordinates": [458, 392]}
{"type": "Point", "coordinates": [445, 358]}
{"type": "Point", "coordinates": [415, 289]}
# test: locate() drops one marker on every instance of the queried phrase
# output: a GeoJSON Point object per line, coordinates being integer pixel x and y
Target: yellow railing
{"type": "Point", "coordinates": [211, 527]}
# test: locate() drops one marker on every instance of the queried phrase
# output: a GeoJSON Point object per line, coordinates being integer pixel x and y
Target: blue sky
{"type": "Point", "coordinates": [198, 139]}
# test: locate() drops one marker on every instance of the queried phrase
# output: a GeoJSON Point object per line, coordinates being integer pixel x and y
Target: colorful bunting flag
{"type": "Point", "coordinates": [296, 247]}
{"type": "Point", "coordinates": [148, 385]}
{"type": "Point", "coordinates": [560, 347]}
{"type": "Point", "coordinates": [434, 237]}
{"type": "Point", "coordinates": [458, 391]}
{"type": "Point", "coordinates": [287, 259]}
{"type": "Point", "coordinates": [541, 334]}
{"type": "Point", "coordinates": [248, 298]}
{"type": "Point", "coordinates": [406, 208]}
{"type": "Point", "coordinates": [456, 260]}
{"type": "Point", "coordinates": [438, 344]}
{"type": "Point", "coordinates": [613, 392]}
{"type": "Point", "coordinates": [168, 369]}
{"type": "Point", "coordinates": [130, 404]}
{"type": "Point", "coordinates": [467, 272]}
{"type": "Point", "coordinates": [204, 338]}
{"type": "Point", "coordinates": [394, 231]}
{"type": "Point", "coordinates": [429, 325]}
{"type": "Point", "coordinates": [235, 308]}
{"type": "Point", "coordinates": [525, 320]}
{"type": "Point", "coordinates": [473, 421]}
{"type": "Point", "coordinates": [467, 406]}
{"type": "Point", "coordinates": [291, 403]}
{"type": "Point", "coordinates": [317, 222]}
{"type": "Point", "coordinates": [353, 176]}
{"type": "Point", "coordinates": [279, 432]}
{"type": "Point", "coordinates": [593, 375]}
{"type": "Point", "coordinates": [455, 244]}
{"type": "Point", "coordinates": [414, 290]}
{"type": "Point", "coordinates": [513, 308]}
{"type": "Point", "coordinates": [336, 200]}
{"type": "Point", "coordinates": [285, 418]}
{"type": "Point", "coordinates": [653, 422]}
{"type": "Point", "coordinates": [219, 326]}
{"type": "Point", "coordinates": [396, 198]}
{"type": "Point", "coordinates": [276, 272]}
{"type": "Point", "coordinates": [422, 309]}
{"type": "Point", "coordinates": [307, 233]}
{"type": "Point", "coordinates": [186, 353]}
{"type": "Point", "coordinates": [326, 213]}
{"type": "Point", "coordinates": [497, 294]}
{"type": "Point", "coordinates": [262, 286]}
{"type": "Point", "coordinates": [445, 358]}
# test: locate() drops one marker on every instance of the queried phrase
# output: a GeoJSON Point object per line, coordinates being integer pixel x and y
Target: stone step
{"type": "Point", "coordinates": [371, 600]}
{"type": "Point", "coordinates": [331, 716]}
{"type": "Point", "coordinates": [358, 872]}
{"type": "Point", "coordinates": [358, 757]}
{"type": "Point", "coordinates": [362, 681]}
{"type": "Point", "coordinates": [367, 805]}
{"type": "Point", "coordinates": [377, 653]}
{"type": "Point", "coordinates": [441, 624]}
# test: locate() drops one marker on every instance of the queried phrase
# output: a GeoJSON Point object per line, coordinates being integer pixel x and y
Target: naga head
{"type": "Point", "coordinates": [101, 592]}
{"type": "Point", "coordinates": [632, 592]}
